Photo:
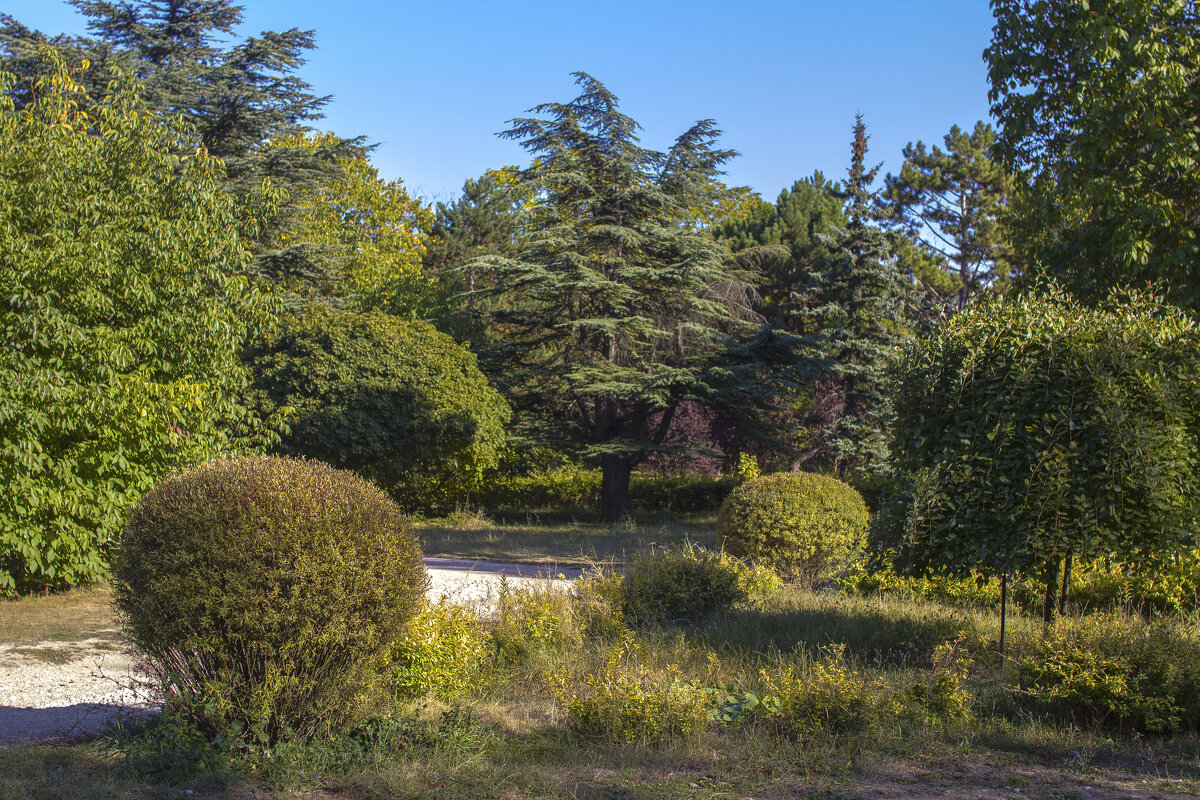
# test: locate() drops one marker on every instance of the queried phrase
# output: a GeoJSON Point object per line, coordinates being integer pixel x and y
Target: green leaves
{"type": "Point", "coordinates": [1033, 428]}
{"type": "Point", "coordinates": [1099, 104]}
{"type": "Point", "coordinates": [124, 319]}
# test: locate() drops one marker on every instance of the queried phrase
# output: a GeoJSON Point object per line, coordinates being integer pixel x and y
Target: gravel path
{"type": "Point", "coordinates": [56, 690]}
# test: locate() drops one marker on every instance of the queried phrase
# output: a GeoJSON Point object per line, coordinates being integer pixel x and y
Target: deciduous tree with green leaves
{"type": "Point", "coordinates": [1099, 100]}
{"type": "Point", "coordinates": [125, 311]}
{"type": "Point", "coordinates": [1033, 429]}
{"type": "Point", "coordinates": [615, 311]}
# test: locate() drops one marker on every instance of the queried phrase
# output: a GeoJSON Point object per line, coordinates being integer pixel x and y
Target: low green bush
{"type": "Point", "coordinates": [263, 593]}
{"type": "Point", "coordinates": [445, 650]}
{"type": "Point", "coordinates": [1115, 669]}
{"type": "Point", "coordinates": [626, 701]}
{"type": "Point", "coordinates": [806, 527]}
{"type": "Point", "coordinates": [665, 584]}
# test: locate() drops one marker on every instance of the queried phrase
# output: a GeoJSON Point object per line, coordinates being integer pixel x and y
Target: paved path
{"type": "Point", "coordinates": [94, 683]}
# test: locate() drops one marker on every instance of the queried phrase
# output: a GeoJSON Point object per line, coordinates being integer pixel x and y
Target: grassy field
{"type": "Point", "coordinates": [560, 537]}
{"type": "Point", "coordinates": [510, 738]}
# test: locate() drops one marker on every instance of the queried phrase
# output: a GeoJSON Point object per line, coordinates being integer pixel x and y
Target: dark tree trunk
{"type": "Point", "coordinates": [1003, 608]}
{"type": "Point", "coordinates": [1063, 596]}
{"type": "Point", "coordinates": [1051, 590]}
{"type": "Point", "coordinates": [615, 504]}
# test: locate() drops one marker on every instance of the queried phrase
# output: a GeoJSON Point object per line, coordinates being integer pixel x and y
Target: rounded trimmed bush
{"type": "Point", "coordinates": [806, 527]}
{"type": "Point", "coordinates": [395, 400]}
{"type": "Point", "coordinates": [264, 591]}
{"type": "Point", "coordinates": [665, 584]}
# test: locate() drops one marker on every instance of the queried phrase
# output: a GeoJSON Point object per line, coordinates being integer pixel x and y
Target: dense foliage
{"type": "Point", "coordinates": [672, 584]}
{"type": "Point", "coordinates": [1097, 101]}
{"type": "Point", "coordinates": [263, 591]}
{"type": "Point", "coordinates": [807, 527]}
{"type": "Point", "coordinates": [395, 400]}
{"type": "Point", "coordinates": [1033, 429]}
{"type": "Point", "coordinates": [123, 319]}
{"type": "Point", "coordinates": [613, 313]}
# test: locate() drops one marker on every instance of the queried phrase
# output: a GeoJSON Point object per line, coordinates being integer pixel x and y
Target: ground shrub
{"type": "Point", "coordinates": [599, 602]}
{"type": "Point", "coordinates": [533, 618]}
{"type": "Point", "coordinates": [626, 701]}
{"type": "Point", "coordinates": [395, 400]}
{"type": "Point", "coordinates": [666, 584]}
{"type": "Point", "coordinates": [445, 650]}
{"type": "Point", "coordinates": [678, 492]}
{"type": "Point", "coordinates": [263, 592]}
{"type": "Point", "coordinates": [829, 697]}
{"type": "Point", "coordinates": [1115, 669]}
{"type": "Point", "coordinates": [806, 527]}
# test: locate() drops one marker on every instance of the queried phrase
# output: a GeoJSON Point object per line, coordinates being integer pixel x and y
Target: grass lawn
{"type": "Point", "coordinates": [509, 738]}
{"type": "Point", "coordinates": [559, 537]}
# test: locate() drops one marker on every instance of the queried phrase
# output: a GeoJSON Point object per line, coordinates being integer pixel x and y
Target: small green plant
{"type": "Point", "coordinates": [665, 584]}
{"type": "Point", "coordinates": [533, 618]}
{"type": "Point", "coordinates": [1115, 669]}
{"type": "Point", "coordinates": [628, 702]}
{"type": "Point", "coordinates": [444, 650]}
{"type": "Point", "coordinates": [830, 697]}
{"type": "Point", "coordinates": [806, 527]}
{"type": "Point", "coordinates": [264, 593]}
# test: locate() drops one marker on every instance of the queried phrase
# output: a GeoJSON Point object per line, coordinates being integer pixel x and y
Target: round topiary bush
{"type": "Point", "coordinates": [394, 400]}
{"type": "Point", "coordinates": [262, 593]}
{"type": "Point", "coordinates": [804, 526]}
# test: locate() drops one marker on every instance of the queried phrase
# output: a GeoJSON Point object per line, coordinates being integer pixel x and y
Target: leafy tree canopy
{"type": "Point", "coordinates": [1100, 102]}
{"type": "Point", "coordinates": [125, 315]}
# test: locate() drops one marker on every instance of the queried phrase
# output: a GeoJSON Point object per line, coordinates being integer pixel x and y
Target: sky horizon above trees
{"type": "Point", "coordinates": [783, 80]}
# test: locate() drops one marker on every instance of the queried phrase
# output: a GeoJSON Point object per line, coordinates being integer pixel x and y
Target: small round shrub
{"type": "Point", "coordinates": [804, 526]}
{"type": "Point", "coordinates": [666, 584]}
{"type": "Point", "coordinates": [263, 592]}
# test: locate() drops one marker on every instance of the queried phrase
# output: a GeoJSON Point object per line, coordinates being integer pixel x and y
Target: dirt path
{"type": "Point", "coordinates": [58, 689]}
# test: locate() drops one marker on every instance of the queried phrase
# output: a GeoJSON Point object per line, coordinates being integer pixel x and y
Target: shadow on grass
{"type": "Point", "coordinates": [877, 633]}
{"type": "Point", "coordinates": [532, 538]}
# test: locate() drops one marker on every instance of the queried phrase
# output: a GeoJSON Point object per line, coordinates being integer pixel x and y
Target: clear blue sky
{"type": "Point", "coordinates": [432, 83]}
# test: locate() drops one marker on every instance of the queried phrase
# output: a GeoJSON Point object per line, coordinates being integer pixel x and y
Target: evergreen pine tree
{"type": "Point", "coordinates": [614, 312]}
{"type": "Point", "coordinates": [857, 302]}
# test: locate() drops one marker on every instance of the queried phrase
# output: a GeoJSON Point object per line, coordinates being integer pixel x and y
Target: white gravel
{"type": "Point", "coordinates": [56, 690]}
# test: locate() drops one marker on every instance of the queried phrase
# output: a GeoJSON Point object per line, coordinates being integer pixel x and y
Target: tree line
{"type": "Point", "coordinates": [612, 303]}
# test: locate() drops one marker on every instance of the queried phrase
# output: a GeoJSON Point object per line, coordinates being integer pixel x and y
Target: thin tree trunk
{"type": "Point", "coordinates": [1003, 608]}
{"type": "Point", "coordinates": [615, 504]}
{"type": "Point", "coordinates": [1066, 586]}
{"type": "Point", "coordinates": [1051, 591]}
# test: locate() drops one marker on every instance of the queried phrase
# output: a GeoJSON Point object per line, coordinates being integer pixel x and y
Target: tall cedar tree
{"type": "Point", "coordinates": [950, 204]}
{"type": "Point", "coordinates": [614, 312]}
{"type": "Point", "coordinates": [1100, 103]}
{"type": "Point", "coordinates": [856, 300]}
{"type": "Point", "coordinates": [238, 96]}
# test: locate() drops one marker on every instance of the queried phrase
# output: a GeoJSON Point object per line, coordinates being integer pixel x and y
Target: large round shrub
{"type": "Point", "coordinates": [1036, 428]}
{"type": "Point", "coordinates": [262, 592]}
{"type": "Point", "coordinates": [395, 400]}
{"type": "Point", "coordinates": [806, 527]}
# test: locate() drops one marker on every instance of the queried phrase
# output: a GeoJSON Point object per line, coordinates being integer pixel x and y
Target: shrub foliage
{"type": "Point", "coordinates": [395, 400]}
{"type": "Point", "coordinates": [806, 527]}
{"type": "Point", "coordinates": [1032, 429]}
{"type": "Point", "coordinates": [262, 592]}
